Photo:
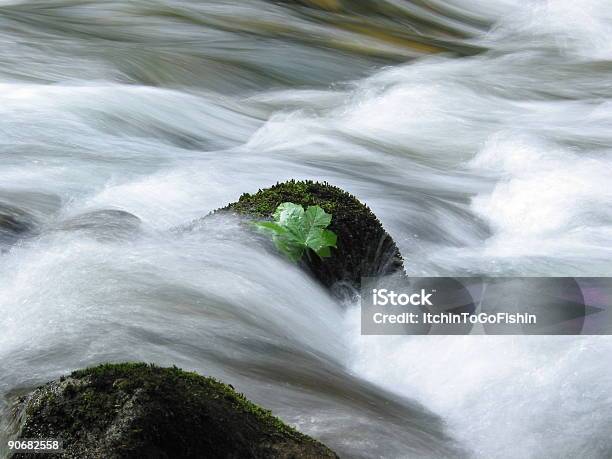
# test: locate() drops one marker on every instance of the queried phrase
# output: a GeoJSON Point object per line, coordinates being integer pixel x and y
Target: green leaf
{"type": "Point", "coordinates": [317, 217]}
{"type": "Point", "coordinates": [329, 238]}
{"type": "Point", "coordinates": [294, 230]}
{"type": "Point", "coordinates": [290, 248]}
{"type": "Point", "coordinates": [288, 213]}
{"type": "Point", "coordinates": [271, 227]}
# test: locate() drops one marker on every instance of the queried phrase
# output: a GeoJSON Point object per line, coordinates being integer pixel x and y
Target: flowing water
{"type": "Point", "coordinates": [480, 133]}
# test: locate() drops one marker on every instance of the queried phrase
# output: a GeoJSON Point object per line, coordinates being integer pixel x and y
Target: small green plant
{"type": "Point", "coordinates": [294, 230]}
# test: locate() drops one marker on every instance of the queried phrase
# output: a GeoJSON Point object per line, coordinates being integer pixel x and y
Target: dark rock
{"type": "Point", "coordinates": [15, 223]}
{"type": "Point", "coordinates": [135, 410]}
{"type": "Point", "coordinates": [364, 247]}
{"type": "Point", "coordinates": [107, 224]}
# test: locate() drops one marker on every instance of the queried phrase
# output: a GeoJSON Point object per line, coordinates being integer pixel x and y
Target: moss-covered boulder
{"type": "Point", "coordinates": [136, 410]}
{"type": "Point", "coordinates": [364, 247]}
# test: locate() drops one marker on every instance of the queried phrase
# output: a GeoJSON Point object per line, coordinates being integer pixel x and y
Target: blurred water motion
{"type": "Point", "coordinates": [478, 131]}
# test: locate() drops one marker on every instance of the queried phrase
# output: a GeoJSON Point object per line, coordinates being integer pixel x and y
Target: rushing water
{"type": "Point", "coordinates": [480, 133]}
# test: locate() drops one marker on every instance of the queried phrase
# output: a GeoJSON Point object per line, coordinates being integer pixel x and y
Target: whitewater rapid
{"type": "Point", "coordinates": [492, 155]}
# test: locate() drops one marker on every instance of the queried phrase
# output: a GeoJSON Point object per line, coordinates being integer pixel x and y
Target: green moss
{"type": "Point", "coordinates": [364, 247]}
{"type": "Point", "coordinates": [159, 412]}
{"type": "Point", "coordinates": [307, 193]}
{"type": "Point", "coordinates": [129, 377]}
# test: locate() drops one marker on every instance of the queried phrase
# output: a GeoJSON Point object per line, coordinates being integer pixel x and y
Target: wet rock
{"type": "Point", "coordinates": [24, 213]}
{"type": "Point", "coordinates": [15, 223]}
{"type": "Point", "coordinates": [364, 247]}
{"type": "Point", "coordinates": [105, 224]}
{"type": "Point", "coordinates": [136, 410]}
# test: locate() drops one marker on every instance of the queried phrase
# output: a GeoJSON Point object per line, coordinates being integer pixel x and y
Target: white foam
{"type": "Point", "coordinates": [548, 199]}
{"type": "Point", "coordinates": [503, 397]}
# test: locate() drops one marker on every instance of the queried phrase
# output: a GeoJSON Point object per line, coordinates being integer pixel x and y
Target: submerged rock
{"type": "Point", "coordinates": [105, 225]}
{"type": "Point", "coordinates": [15, 223]}
{"type": "Point", "coordinates": [136, 410]}
{"type": "Point", "coordinates": [364, 247]}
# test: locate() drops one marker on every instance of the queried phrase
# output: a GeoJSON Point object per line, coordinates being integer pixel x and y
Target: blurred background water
{"type": "Point", "coordinates": [478, 131]}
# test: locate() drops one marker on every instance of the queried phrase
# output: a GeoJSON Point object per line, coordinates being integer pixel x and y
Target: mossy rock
{"type": "Point", "coordinates": [364, 247]}
{"type": "Point", "coordinates": [136, 410]}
